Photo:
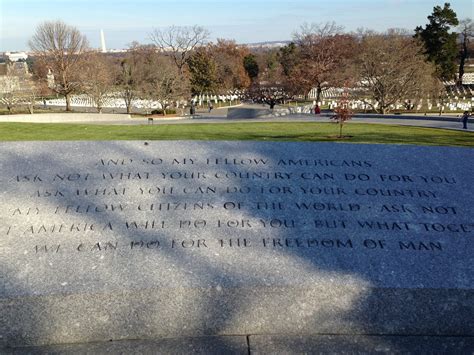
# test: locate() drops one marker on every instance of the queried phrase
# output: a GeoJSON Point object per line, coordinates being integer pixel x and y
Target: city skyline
{"type": "Point", "coordinates": [244, 21]}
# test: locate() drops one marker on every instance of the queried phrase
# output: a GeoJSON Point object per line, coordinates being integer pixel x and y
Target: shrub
{"type": "Point", "coordinates": [160, 112]}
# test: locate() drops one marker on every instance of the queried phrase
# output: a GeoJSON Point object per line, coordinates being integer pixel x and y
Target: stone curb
{"type": "Point", "coordinates": [265, 344]}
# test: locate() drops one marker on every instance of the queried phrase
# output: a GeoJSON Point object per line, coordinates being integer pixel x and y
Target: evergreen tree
{"type": "Point", "coordinates": [203, 72]}
{"type": "Point", "coordinates": [440, 44]}
{"type": "Point", "coordinates": [288, 57]}
{"type": "Point", "coordinates": [251, 66]}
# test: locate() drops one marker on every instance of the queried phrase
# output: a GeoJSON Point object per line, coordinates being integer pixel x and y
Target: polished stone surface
{"type": "Point", "coordinates": [359, 344]}
{"type": "Point", "coordinates": [120, 240]}
{"type": "Point", "coordinates": [232, 345]}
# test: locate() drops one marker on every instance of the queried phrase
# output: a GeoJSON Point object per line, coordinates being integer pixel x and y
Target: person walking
{"type": "Point", "coordinates": [209, 105]}
{"type": "Point", "coordinates": [465, 117]}
{"type": "Point", "coordinates": [317, 110]}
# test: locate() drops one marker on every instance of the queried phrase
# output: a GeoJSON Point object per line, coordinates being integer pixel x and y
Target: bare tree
{"type": "Point", "coordinates": [23, 93]}
{"type": "Point", "coordinates": [60, 47]}
{"type": "Point", "coordinates": [157, 78]}
{"type": "Point", "coordinates": [129, 77]}
{"type": "Point", "coordinates": [392, 68]}
{"type": "Point", "coordinates": [322, 52]}
{"type": "Point", "coordinates": [9, 91]}
{"type": "Point", "coordinates": [179, 42]}
{"type": "Point", "coordinates": [466, 27]}
{"type": "Point", "coordinates": [163, 82]}
{"type": "Point", "coordinates": [310, 33]}
{"type": "Point", "coordinates": [30, 92]}
{"type": "Point", "coordinates": [97, 78]}
{"type": "Point", "coordinates": [17, 88]}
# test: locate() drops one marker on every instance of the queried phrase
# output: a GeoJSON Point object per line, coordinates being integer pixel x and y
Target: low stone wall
{"type": "Point", "coordinates": [248, 112]}
{"type": "Point", "coordinates": [265, 112]}
{"type": "Point", "coordinates": [307, 109]}
{"type": "Point", "coordinates": [63, 117]}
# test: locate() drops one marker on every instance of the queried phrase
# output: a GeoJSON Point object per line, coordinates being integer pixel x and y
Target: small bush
{"type": "Point", "coordinates": [169, 111]}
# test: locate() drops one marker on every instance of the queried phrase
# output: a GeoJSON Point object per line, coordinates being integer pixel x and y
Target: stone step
{"type": "Point", "coordinates": [265, 344]}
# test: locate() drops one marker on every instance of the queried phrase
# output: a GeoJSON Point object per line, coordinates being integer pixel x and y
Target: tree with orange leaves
{"type": "Point", "coordinates": [229, 59]}
{"type": "Point", "coordinates": [342, 112]}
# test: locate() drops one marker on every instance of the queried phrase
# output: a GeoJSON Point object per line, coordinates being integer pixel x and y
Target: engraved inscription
{"type": "Point", "coordinates": [151, 204]}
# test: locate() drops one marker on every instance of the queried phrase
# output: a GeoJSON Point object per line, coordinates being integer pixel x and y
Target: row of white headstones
{"type": "Point", "coordinates": [116, 102]}
{"type": "Point", "coordinates": [447, 106]}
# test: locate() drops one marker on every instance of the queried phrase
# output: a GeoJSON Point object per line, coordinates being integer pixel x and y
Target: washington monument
{"type": "Point", "coordinates": [102, 41]}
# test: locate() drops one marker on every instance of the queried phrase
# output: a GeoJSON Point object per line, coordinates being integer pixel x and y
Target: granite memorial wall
{"type": "Point", "coordinates": [232, 238]}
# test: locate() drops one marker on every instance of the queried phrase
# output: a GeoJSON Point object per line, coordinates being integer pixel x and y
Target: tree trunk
{"type": "Point", "coordinates": [98, 104]}
{"type": "Point", "coordinates": [464, 55]}
{"type": "Point", "coordinates": [461, 71]}
{"type": "Point", "coordinates": [127, 97]}
{"type": "Point", "coordinates": [68, 102]}
{"type": "Point", "coordinates": [318, 93]}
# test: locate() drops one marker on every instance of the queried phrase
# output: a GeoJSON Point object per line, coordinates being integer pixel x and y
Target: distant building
{"type": "Point", "coordinates": [16, 56]}
{"type": "Point", "coordinates": [268, 44]}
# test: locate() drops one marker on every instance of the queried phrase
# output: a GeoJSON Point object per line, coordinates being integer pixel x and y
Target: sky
{"type": "Point", "coordinates": [246, 21]}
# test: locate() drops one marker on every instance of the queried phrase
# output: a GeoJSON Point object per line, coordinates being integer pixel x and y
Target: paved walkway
{"type": "Point", "coordinates": [418, 123]}
{"type": "Point", "coordinates": [218, 117]}
{"type": "Point", "coordinates": [452, 122]}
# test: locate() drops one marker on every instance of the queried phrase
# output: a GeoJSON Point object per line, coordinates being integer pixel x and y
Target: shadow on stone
{"type": "Point", "coordinates": [119, 274]}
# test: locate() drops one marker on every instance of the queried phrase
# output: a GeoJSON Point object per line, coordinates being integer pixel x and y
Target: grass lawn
{"type": "Point", "coordinates": [280, 131]}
